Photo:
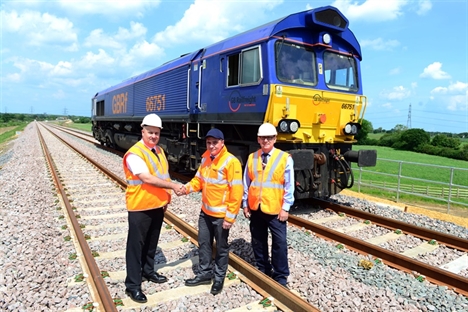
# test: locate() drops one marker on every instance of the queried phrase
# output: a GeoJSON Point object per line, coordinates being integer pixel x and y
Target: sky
{"type": "Point", "coordinates": [55, 55]}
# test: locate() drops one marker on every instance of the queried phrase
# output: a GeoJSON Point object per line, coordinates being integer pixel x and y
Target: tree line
{"type": "Point", "coordinates": [416, 140]}
{"type": "Point", "coordinates": [14, 118]}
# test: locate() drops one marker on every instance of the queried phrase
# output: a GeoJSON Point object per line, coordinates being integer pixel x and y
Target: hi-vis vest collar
{"type": "Point", "coordinates": [154, 166]}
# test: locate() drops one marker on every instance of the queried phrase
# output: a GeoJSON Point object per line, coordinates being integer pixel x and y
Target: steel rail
{"type": "Point", "coordinates": [105, 299]}
{"type": "Point", "coordinates": [401, 262]}
{"type": "Point", "coordinates": [283, 297]}
{"type": "Point", "coordinates": [396, 260]}
{"type": "Point", "coordinates": [425, 233]}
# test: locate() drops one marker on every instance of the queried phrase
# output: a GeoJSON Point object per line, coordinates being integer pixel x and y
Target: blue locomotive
{"type": "Point", "coordinates": [301, 73]}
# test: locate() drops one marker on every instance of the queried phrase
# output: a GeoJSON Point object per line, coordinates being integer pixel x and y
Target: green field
{"type": "Point", "coordinates": [79, 126]}
{"type": "Point", "coordinates": [410, 172]}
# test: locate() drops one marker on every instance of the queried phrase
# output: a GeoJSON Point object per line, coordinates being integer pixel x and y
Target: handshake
{"type": "Point", "coordinates": [179, 189]}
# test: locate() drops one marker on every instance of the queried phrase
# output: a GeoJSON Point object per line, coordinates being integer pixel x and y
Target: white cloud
{"type": "Point", "coordinates": [434, 71]}
{"type": "Point", "coordinates": [454, 97]}
{"type": "Point", "coordinates": [97, 37]}
{"type": "Point", "coordinates": [458, 87]}
{"type": "Point", "coordinates": [33, 70]}
{"type": "Point", "coordinates": [108, 7]}
{"type": "Point", "coordinates": [15, 77]}
{"type": "Point", "coordinates": [40, 29]}
{"type": "Point", "coordinates": [379, 44]}
{"type": "Point", "coordinates": [458, 102]}
{"type": "Point", "coordinates": [140, 51]}
{"type": "Point", "coordinates": [137, 30]}
{"type": "Point", "coordinates": [371, 10]}
{"type": "Point", "coordinates": [424, 6]}
{"type": "Point", "coordinates": [92, 60]}
{"type": "Point", "coordinates": [398, 93]}
{"type": "Point", "coordinates": [439, 90]}
{"type": "Point", "coordinates": [61, 69]}
{"type": "Point", "coordinates": [207, 21]}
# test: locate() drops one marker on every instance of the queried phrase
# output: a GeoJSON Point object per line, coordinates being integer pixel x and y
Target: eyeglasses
{"type": "Point", "coordinates": [208, 143]}
{"type": "Point", "coordinates": [268, 138]}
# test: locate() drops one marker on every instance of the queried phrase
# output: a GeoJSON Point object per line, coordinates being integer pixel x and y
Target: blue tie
{"type": "Point", "coordinates": [212, 157]}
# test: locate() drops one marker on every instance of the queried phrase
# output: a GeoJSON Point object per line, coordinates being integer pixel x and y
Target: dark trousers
{"type": "Point", "coordinates": [209, 228]}
{"type": "Point", "coordinates": [144, 228]}
{"type": "Point", "coordinates": [278, 267]}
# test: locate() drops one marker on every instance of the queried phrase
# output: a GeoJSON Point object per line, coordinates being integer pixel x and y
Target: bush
{"type": "Point", "coordinates": [388, 139]}
{"type": "Point", "coordinates": [411, 139]}
{"type": "Point", "coordinates": [444, 141]}
{"type": "Point", "coordinates": [366, 128]}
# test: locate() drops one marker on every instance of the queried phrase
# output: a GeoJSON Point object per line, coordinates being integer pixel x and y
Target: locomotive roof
{"type": "Point", "coordinates": [277, 27]}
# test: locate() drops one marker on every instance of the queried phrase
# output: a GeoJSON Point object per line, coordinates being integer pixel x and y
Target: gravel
{"type": "Point", "coordinates": [35, 269]}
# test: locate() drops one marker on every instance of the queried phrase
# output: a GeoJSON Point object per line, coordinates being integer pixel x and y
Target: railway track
{"type": "Point", "coordinates": [404, 262]}
{"type": "Point", "coordinates": [97, 246]}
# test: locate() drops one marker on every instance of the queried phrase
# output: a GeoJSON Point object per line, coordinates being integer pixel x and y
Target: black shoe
{"type": "Point", "coordinates": [198, 281]}
{"type": "Point", "coordinates": [156, 278]}
{"type": "Point", "coordinates": [217, 287]}
{"type": "Point", "coordinates": [136, 295]}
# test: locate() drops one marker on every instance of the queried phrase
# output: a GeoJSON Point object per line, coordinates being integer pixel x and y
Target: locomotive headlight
{"type": "Point", "coordinates": [283, 125]}
{"type": "Point", "coordinates": [326, 38]}
{"type": "Point", "coordinates": [348, 129]}
{"type": "Point", "coordinates": [294, 126]}
{"type": "Point", "coordinates": [288, 125]}
{"type": "Point", "coordinates": [354, 129]}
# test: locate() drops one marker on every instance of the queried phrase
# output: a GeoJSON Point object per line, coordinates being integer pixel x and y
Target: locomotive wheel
{"type": "Point", "coordinates": [110, 139]}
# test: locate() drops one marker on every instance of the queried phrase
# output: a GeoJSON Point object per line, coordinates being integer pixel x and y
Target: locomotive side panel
{"type": "Point", "coordinates": [164, 94]}
{"type": "Point", "coordinates": [119, 103]}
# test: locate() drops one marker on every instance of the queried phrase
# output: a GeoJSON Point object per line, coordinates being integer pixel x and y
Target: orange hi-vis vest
{"type": "Point", "coordinates": [143, 196]}
{"type": "Point", "coordinates": [267, 186]}
{"type": "Point", "coordinates": [221, 183]}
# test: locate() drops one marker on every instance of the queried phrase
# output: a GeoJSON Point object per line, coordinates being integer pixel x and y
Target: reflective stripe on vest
{"type": "Point", "coordinates": [266, 188]}
{"type": "Point", "coordinates": [164, 176]}
{"type": "Point", "coordinates": [143, 196]}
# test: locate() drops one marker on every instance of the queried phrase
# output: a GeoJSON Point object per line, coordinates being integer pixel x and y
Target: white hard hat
{"type": "Point", "coordinates": [267, 129]}
{"type": "Point", "coordinates": [152, 120]}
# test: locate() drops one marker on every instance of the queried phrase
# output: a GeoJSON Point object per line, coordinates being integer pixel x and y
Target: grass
{"type": "Point", "coordinates": [427, 175]}
{"type": "Point", "coordinates": [79, 126]}
{"type": "Point", "coordinates": [9, 132]}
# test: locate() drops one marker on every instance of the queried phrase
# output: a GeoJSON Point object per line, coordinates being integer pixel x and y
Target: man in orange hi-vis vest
{"type": "Point", "coordinates": [219, 177]}
{"type": "Point", "coordinates": [268, 196]}
{"type": "Point", "coordinates": [147, 196]}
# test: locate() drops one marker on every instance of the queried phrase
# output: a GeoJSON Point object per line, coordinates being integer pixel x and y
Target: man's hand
{"type": "Point", "coordinates": [226, 225]}
{"type": "Point", "coordinates": [246, 212]}
{"type": "Point", "coordinates": [179, 189]}
{"type": "Point", "coordinates": [283, 215]}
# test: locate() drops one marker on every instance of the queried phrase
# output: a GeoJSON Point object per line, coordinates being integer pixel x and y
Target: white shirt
{"type": "Point", "coordinates": [136, 164]}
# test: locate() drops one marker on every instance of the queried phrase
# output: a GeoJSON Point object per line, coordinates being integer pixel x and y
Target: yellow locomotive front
{"type": "Point", "coordinates": [318, 110]}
